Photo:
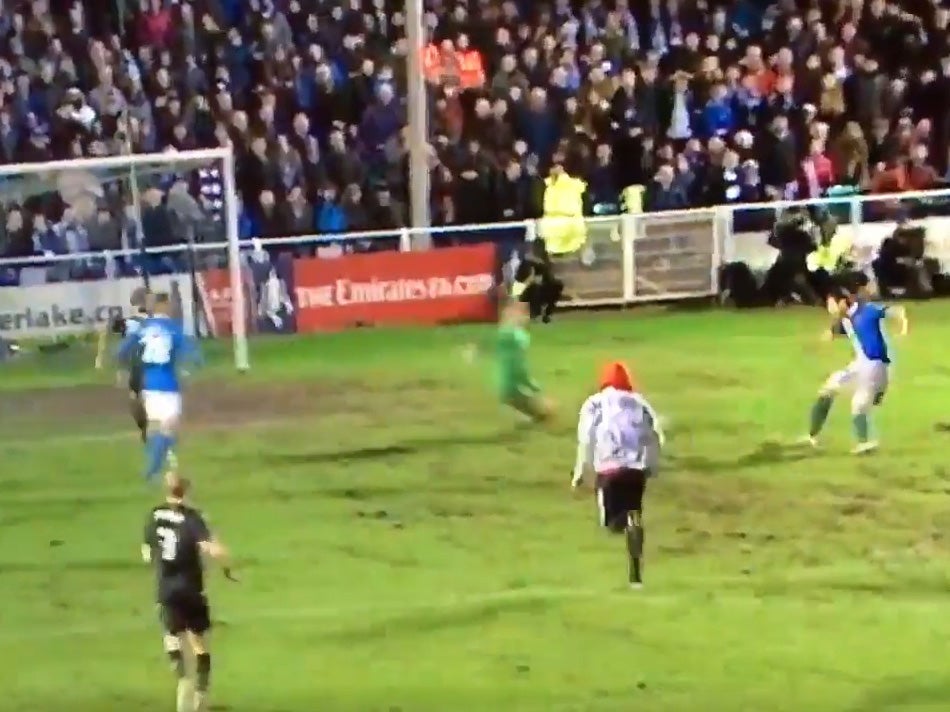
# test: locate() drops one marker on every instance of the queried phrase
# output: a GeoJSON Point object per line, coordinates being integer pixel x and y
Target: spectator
{"type": "Point", "coordinates": [386, 214]}
{"type": "Point", "coordinates": [267, 218]}
{"type": "Point", "coordinates": [354, 210]}
{"type": "Point", "coordinates": [46, 240]}
{"type": "Point", "coordinates": [665, 193]}
{"type": "Point", "coordinates": [890, 177]}
{"type": "Point", "coordinates": [104, 231]}
{"type": "Point", "coordinates": [473, 190]}
{"type": "Point", "coordinates": [601, 183]}
{"type": "Point", "coordinates": [342, 166]}
{"type": "Point", "coordinates": [920, 174]}
{"type": "Point", "coordinates": [777, 158]}
{"type": "Point", "coordinates": [508, 77]}
{"type": "Point", "coordinates": [680, 110]}
{"type": "Point", "coordinates": [331, 216]}
{"type": "Point", "coordinates": [538, 125]}
{"type": "Point", "coordinates": [9, 138]}
{"type": "Point", "coordinates": [289, 164]}
{"type": "Point", "coordinates": [817, 171]}
{"type": "Point", "coordinates": [155, 25]}
{"type": "Point", "coordinates": [297, 216]}
{"type": "Point", "coordinates": [381, 120]}
{"type": "Point", "coordinates": [18, 238]}
{"type": "Point", "coordinates": [717, 114]}
{"type": "Point", "coordinates": [512, 191]}
{"type": "Point", "coordinates": [156, 221]}
{"type": "Point", "coordinates": [853, 157]}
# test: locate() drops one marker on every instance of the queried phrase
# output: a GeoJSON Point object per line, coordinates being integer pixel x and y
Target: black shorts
{"type": "Point", "coordinates": [618, 494]}
{"type": "Point", "coordinates": [135, 378]}
{"type": "Point", "coordinates": [185, 612]}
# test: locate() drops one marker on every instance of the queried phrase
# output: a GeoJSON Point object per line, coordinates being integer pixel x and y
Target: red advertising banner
{"type": "Point", "coordinates": [214, 289]}
{"type": "Point", "coordinates": [446, 285]}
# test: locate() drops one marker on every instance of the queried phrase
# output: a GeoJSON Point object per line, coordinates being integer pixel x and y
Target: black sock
{"type": "Point", "coordinates": [178, 663]}
{"type": "Point", "coordinates": [202, 671]}
{"type": "Point", "coordinates": [138, 413]}
{"type": "Point", "coordinates": [635, 547]}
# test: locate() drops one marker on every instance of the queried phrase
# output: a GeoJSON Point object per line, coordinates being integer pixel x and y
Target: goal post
{"type": "Point", "coordinates": [77, 237]}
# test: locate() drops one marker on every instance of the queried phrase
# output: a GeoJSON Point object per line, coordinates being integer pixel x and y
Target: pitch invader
{"type": "Point", "coordinates": [123, 326]}
{"type": "Point", "coordinates": [620, 438]}
{"type": "Point", "coordinates": [161, 346]}
{"type": "Point", "coordinates": [862, 322]}
{"type": "Point", "coordinates": [176, 538]}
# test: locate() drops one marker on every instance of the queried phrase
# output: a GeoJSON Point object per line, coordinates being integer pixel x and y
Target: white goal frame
{"type": "Point", "coordinates": [171, 159]}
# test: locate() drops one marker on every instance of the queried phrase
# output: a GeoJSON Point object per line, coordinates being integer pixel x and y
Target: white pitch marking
{"type": "Point", "coordinates": [43, 441]}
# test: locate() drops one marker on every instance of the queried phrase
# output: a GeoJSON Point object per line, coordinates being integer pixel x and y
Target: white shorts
{"type": "Point", "coordinates": [161, 406]}
{"type": "Point", "coordinates": [869, 378]}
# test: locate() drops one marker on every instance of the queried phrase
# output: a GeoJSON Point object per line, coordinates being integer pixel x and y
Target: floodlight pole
{"type": "Point", "coordinates": [418, 117]}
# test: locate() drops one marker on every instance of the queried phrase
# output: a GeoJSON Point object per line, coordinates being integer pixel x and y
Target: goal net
{"type": "Point", "coordinates": [79, 238]}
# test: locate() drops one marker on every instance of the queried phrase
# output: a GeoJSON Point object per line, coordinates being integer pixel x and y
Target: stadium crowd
{"type": "Point", "coordinates": [699, 101]}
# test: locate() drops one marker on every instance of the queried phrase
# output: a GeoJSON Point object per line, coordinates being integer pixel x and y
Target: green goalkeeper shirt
{"type": "Point", "coordinates": [511, 348]}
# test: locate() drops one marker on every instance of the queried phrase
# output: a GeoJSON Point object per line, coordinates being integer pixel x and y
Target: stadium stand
{"type": "Point", "coordinates": [698, 102]}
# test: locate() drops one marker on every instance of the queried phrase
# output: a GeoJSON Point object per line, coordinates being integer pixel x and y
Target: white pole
{"type": "Point", "coordinates": [418, 128]}
{"type": "Point", "coordinates": [136, 195]}
{"type": "Point", "coordinates": [238, 322]}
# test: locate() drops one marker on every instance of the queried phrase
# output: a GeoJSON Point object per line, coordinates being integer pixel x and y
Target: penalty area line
{"type": "Point", "coordinates": [33, 442]}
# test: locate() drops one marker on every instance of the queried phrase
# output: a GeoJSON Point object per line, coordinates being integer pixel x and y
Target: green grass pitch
{"type": "Point", "coordinates": [405, 546]}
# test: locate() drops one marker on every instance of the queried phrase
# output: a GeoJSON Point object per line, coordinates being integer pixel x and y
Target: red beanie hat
{"type": "Point", "coordinates": [616, 375]}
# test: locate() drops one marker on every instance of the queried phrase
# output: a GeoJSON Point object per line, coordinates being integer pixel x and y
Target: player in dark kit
{"type": "Point", "coordinates": [141, 301]}
{"type": "Point", "coordinates": [176, 539]}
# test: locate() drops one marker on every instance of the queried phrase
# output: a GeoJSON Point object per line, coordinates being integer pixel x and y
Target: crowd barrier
{"type": "Point", "coordinates": [314, 283]}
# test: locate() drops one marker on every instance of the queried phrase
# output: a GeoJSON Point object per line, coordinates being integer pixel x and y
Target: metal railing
{"type": "Point", "coordinates": [861, 210]}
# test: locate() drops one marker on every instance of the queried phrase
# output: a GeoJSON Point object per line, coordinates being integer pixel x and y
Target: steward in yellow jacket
{"type": "Point", "coordinates": [562, 227]}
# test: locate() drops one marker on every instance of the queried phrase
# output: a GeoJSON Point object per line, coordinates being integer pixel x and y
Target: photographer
{"type": "Point", "coordinates": [901, 265]}
{"type": "Point", "coordinates": [536, 284]}
{"type": "Point", "coordinates": [788, 277]}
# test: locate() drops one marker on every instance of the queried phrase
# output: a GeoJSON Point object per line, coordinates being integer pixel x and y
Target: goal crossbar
{"type": "Point", "coordinates": [122, 161]}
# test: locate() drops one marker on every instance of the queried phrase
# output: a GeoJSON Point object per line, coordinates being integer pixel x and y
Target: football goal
{"type": "Point", "coordinates": [78, 238]}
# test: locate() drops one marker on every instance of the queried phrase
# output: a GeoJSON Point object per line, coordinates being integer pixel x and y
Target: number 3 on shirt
{"type": "Point", "coordinates": [167, 543]}
{"type": "Point", "coordinates": [156, 348]}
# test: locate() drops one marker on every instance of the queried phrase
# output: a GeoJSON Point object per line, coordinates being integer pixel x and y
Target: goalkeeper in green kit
{"type": "Point", "coordinates": [515, 386]}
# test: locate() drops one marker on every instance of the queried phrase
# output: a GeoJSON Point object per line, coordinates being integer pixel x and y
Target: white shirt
{"type": "Point", "coordinates": [679, 124]}
{"type": "Point", "coordinates": [617, 429]}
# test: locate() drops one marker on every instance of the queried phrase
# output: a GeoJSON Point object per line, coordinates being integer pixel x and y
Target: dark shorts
{"type": "Point", "coordinates": [135, 378]}
{"type": "Point", "coordinates": [618, 494]}
{"type": "Point", "coordinates": [185, 612]}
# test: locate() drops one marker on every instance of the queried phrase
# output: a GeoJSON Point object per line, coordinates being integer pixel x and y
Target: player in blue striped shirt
{"type": "Point", "coordinates": [161, 345]}
{"type": "Point", "coordinates": [862, 322]}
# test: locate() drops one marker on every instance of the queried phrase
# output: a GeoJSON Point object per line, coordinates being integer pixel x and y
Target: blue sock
{"type": "Point", "coordinates": [819, 414]}
{"type": "Point", "coordinates": [156, 450]}
{"type": "Point", "coordinates": [861, 427]}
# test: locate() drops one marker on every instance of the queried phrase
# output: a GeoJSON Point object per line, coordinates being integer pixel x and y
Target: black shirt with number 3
{"type": "Point", "coordinates": [174, 533]}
